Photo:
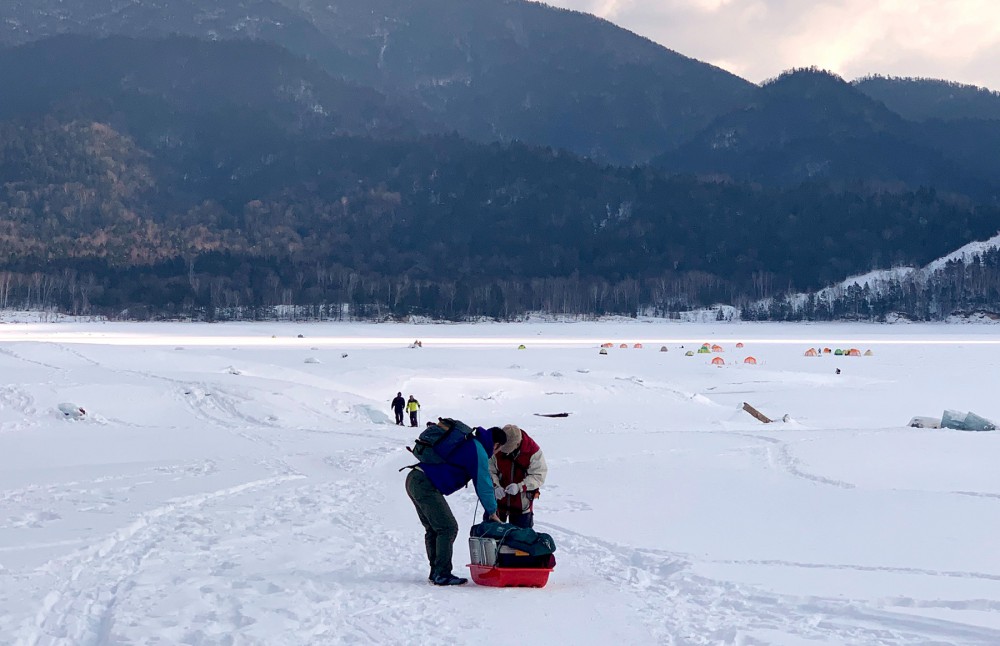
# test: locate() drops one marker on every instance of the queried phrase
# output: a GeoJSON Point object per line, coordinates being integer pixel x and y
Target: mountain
{"type": "Point", "coordinates": [437, 226]}
{"type": "Point", "coordinates": [491, 69]}
{"type": "Point", "coordinates": [150, 82]}
{"type": "Point", "coordinates": [185, 175]}
{"type": "Point", "coordinates": [810, 125]}
{"type": "Point", "coordinates": [960, 285]}
{"type": "Point", "coordinates": [923, 99]}
{"type": "Point", "coordinates": [203, 110]}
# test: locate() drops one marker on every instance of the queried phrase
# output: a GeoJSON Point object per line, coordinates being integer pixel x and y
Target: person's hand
{"type": "Point", "coordinates": [513, 489]}
{"type": "Point", "coordinates": [499, 492]}
{"type": "Point", "coordinates": [495, 518]}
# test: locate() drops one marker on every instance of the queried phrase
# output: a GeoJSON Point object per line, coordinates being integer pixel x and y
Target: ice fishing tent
{"type": "Point", "coordinates": [838, 352]}
{"type": "Point", "coordinates": [689, 353]}
{"type": "Point", "coordinates": [751, 361]}
{"type": "Point", "coordinates": [623, 346]}
{"type": "Point", "coordinates": [717, 348]}
{"type": "Point", "coordinates": [604, 350]}
{"type": "Point", "coordinates": [522, 347]}
{"type": "Point", "coordinates": [854, 352]}
{"type": "Point", "coordinates": [869, 353]}
{"type": "Point", "coordinates": [637, 345]}
{"type": "Point", "coordinates": [703, 350]}
{"type": "Point", "coordinates": [718, 361]}
{"type": "Point", "coordinates": [607, 345]}
{"type": "Point", "coordinates": [811, 352]}
{"type": "Point", "coordinates": [663, 348]}
{"type": "Point", "coordinates": [739, 345]}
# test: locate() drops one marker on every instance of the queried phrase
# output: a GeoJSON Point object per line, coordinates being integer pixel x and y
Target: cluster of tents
{"type": "Point", "coordinates": [852, 352]}
{"type": "Point", "coordinates": [706, 348]}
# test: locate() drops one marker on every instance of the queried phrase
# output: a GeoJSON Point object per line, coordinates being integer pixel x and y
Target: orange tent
{"type": "Point", "coordinates": [811, 352]}
{"type": "Point", "coordinates": [607, 345]}
{"type": "Point", "coordinates": [637, 345]}
{"type": "Point", "coordinates": [718, 361]}
{"type": "Point", "coordinates": [739, 345]}
{"type": "Point", "coordinates": [750, 360]}
{"type": "Point", "coordinates": [624, 345]}
{"type": "Point", "coordinates": [717, 348]}
{"type": "Point", "coordinates": [827, 350]}
{"type": "Point", "coordinates": [854, 352]}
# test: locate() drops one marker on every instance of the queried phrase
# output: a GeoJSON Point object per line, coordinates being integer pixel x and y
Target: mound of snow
{"type": "Point", "coordinates": [72, 411]}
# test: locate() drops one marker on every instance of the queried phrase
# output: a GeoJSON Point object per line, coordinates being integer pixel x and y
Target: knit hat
{"type": "Point", "coordinates": [513, 434]}
{"type": "Point", "coordinates": [499, 437]}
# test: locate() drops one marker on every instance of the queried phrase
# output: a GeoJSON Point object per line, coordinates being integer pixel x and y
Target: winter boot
{"type": "Point", "coordinates": [449, 579]}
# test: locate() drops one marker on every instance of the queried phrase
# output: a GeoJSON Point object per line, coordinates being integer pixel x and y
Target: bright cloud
{"type": "Point", "coordinates": [954, 39]}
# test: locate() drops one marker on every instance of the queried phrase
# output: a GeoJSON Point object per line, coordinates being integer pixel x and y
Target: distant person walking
{"type": "Point", "coordinates": [412, 406]}
{"type": "Point", "coordinates": [398, 404]}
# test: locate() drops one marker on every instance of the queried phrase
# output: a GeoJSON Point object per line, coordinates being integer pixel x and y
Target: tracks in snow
{"type": "Point", "coordinates": [681, 608]}
{"type": "Point", "coordinates": [80, 608]}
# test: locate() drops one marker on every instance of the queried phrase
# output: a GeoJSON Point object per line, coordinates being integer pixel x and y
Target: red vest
{"type": "Point", "coordinates": [513, 468]}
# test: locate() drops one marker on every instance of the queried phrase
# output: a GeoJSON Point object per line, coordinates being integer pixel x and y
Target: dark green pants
{"type": "Point", "coordinates": [440, 526]}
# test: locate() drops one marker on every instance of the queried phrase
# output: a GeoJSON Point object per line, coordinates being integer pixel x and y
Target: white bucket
{"type": "Point", "coordinates": [483, 551]}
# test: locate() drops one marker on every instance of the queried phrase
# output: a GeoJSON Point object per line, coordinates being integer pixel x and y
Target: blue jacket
{"type": "Point", "coordinates": [470, 461]}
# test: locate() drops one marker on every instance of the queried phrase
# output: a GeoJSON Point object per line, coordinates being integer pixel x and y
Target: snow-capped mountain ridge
{"type": "Point", "coordinates": [877, 277]}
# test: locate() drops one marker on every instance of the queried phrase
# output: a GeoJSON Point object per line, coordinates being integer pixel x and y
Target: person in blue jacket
{"type": "Point", "coordinates": [428, 484]}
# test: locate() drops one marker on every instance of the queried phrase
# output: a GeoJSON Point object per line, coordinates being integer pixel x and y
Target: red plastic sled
{"type": "Point", "coordinates": [510, 577]}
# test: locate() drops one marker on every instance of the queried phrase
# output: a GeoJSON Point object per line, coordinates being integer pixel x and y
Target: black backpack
{"type": "Point", "coordinates": [439, 441]}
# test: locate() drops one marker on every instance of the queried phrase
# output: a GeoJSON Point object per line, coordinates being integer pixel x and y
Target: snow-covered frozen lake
{"type": "Point", "coordinates": [236, 484]}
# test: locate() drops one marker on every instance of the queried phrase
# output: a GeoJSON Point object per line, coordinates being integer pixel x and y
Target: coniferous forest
{"type": "Point", "coordinates": [176, 176]}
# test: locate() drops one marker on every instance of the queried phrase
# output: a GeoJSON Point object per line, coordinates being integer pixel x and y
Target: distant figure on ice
{"type": "Point", "coordinates": [518, 471]}
{"type": "Point", "coordinates": [397, 407]}
{"type": "Point", "coordinates": [838, 371]}
{"type": "Point", "coordinates": [428, 483]}
{"type": "Point", "coordinates": [412, 406]}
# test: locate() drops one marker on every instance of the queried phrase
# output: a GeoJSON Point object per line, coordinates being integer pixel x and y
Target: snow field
{"type": "Point", "coordinates": [228, 492]}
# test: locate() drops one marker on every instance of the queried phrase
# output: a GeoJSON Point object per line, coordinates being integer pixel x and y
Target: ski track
{"type": "Point", "coordinates": [331, 590]}
{"type": "Point", "coordinates": [80, 608]}
{"type": "Point", "coordinates": [779, 456]}
{"type": "Point", "coordinates": [96, 495]}
{"type": "Point", "coordinates": [684, 609]}
{"type": "Point", "coordinates": [14, 355]}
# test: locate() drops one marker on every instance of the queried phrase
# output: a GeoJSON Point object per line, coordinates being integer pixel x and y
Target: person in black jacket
{"type": "Point", "coordinates": [397, 407]}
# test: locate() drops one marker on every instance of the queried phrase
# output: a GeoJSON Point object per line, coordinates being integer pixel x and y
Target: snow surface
{"type": "Point", "coordinates": [222, 490]}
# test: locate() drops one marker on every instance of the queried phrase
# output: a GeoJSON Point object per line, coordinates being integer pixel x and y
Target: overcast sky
{"type": "Point", "coordinates": [958, 40]}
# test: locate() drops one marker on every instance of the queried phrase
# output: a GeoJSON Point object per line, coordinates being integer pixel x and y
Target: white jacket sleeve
{"type": "Point", "coordinates": [494, 471]}
{"type": "Point", "coordinates": [537, 470]}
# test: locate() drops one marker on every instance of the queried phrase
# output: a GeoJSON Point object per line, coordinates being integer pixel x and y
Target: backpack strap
{"type": "Point", "coordinates": [409, 466]}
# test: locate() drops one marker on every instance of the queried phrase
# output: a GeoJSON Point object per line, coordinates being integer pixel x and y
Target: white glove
{"type": "Point", "coordinates": [498, 492]}
{"type": "Point", "coordinates": [513, 489]}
